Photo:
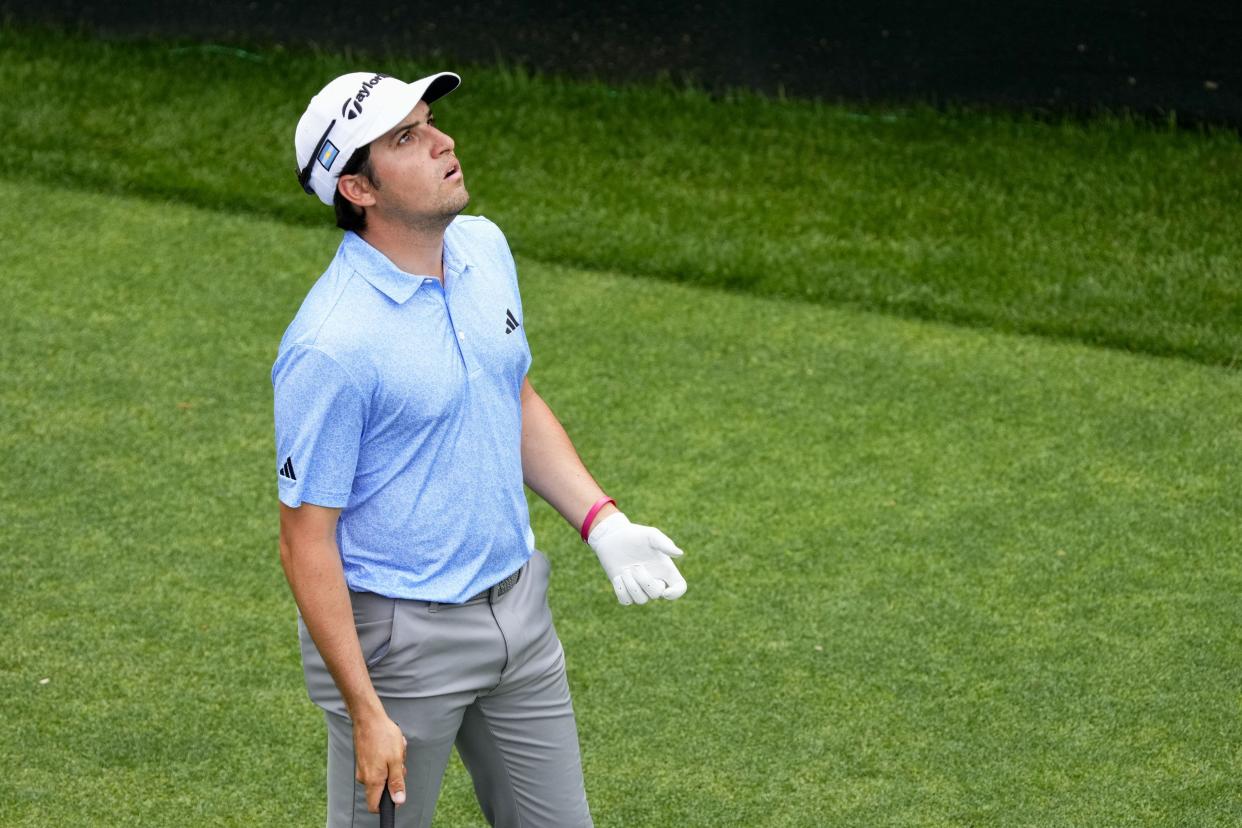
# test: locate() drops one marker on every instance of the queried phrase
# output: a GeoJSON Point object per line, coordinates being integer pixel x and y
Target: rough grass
{"type": "Point", "coordinates": [938, 576]}
{"type": "Point", "coordinates": [1108, 232]}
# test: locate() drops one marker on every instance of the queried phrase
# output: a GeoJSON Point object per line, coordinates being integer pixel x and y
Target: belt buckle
{"type": "Point", "coordinates": [504, 586]}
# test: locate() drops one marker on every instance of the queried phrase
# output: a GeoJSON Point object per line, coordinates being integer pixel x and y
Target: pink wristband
{"type": "Point", "coordinates": [592, 512]}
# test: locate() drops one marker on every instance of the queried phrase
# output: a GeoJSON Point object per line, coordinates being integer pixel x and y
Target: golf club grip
{"type": "Point", "coordinates": [388, 811]}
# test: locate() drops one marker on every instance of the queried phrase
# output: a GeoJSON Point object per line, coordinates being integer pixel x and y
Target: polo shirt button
{"type": "Point", "coordinates": [461, 337]}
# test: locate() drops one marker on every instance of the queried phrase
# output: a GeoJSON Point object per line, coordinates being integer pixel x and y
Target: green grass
{"type": "Point", "coordinates": [938, 576]}
{"type": "Point", "coordinates": [1108, 232]}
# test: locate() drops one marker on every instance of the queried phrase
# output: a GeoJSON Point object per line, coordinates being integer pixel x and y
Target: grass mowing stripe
{"type": "Point", "coordinates": [1109, 232]}
{"type": "Point", "coordinates": [938, 576]}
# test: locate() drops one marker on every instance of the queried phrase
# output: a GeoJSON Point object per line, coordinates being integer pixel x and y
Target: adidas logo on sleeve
{"type": "Point", "coordinates": [511, 323]}
{"type": "Point", "coordinates": [287, 469]}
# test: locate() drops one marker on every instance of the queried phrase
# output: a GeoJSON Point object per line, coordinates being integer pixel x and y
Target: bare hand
{"type": "Point", "coordinates": [380, 751]}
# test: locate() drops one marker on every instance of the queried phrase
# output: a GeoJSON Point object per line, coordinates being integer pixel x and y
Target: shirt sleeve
{"type": "Point", "coordinates": [320, 419]}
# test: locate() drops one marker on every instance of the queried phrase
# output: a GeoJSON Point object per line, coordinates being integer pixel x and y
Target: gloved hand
{"type": "Point", "coordinates": [637, 559]}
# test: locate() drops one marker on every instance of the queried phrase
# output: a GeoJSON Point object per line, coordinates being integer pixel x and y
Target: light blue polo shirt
{"type": "Point", "coordinates": [399, 401]}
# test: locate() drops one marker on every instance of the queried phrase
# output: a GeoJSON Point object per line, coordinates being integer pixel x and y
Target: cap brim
{"type": "Point", "coordinates": [429, 89]}
{"type": "Point", "coordinates": [439, 86]}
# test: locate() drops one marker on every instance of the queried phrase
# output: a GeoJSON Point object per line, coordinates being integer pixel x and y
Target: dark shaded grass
{"type": "Point", "coordinates": [1110, 232]}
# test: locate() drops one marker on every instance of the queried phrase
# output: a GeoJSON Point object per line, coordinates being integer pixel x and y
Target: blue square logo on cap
{"type": "Point", "coordinates": [328, 154]}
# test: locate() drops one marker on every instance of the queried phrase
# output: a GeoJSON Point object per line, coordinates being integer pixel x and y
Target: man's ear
{"type": "Point", "coordinates": [356, 189]}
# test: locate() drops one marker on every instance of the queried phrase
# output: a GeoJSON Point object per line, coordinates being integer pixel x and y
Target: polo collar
{"type": "Point", "coordinates": [386, 277]}
{"type": "Point", "coordinates": [455, 260]}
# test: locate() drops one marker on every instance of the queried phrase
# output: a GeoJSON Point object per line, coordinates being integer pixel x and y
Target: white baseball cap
{"type": "Point", "coordinates": [350, 112]}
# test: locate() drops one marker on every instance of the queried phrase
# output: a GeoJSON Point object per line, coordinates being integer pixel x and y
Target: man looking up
{"type": "Point", "coordinates": [405, 430]}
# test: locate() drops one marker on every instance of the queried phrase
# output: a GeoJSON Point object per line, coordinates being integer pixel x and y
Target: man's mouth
{"type": "Point", "coordinates": [452, 171]}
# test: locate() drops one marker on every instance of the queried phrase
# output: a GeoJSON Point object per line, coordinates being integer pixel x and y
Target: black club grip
{"type": "Point", "coordinates": [388, 811]}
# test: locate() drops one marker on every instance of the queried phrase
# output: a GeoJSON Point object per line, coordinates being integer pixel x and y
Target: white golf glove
{"type": "Point", "coordinates": [637, 559]}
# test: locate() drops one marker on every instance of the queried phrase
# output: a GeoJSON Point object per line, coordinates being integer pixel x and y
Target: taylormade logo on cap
{"type": "Point", "coordinates": [352, 107]}
{"type": "Point", "coordinates": [350, 112]}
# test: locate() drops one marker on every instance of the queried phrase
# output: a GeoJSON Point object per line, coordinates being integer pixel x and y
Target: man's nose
{"type": "Point", "coordinates": [443, 143]}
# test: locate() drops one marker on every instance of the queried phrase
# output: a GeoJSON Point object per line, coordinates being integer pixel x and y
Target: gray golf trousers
{"type": "Point", "coordinates": [488, 676]}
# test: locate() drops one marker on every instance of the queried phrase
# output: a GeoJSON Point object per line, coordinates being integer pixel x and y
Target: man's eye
{"type": "Point", "coordinates": [404, 136]}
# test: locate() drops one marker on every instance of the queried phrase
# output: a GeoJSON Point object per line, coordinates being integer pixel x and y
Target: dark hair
{"type": "Point", "coordinates": [350, 216]}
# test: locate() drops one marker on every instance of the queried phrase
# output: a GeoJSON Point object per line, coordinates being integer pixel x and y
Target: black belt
{"type": "Point", "coordinates": [497, 590]}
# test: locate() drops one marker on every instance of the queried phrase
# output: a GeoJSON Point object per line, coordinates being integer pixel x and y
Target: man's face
{"type": "Point", "coordinates": [420, 178]}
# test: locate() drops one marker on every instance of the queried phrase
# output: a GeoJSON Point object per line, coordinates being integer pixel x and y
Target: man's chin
{"type": "Point", "coordinates": [434, 218]}
{"type": "Point", "coordinates": [457, 203]}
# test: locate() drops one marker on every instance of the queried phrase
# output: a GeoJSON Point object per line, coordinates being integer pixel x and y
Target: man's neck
{"type": "Point", "coordinates": [418, 252]}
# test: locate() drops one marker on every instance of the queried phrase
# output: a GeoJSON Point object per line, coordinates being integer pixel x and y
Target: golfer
{"type": "Point", "coordinates": [405, 430]}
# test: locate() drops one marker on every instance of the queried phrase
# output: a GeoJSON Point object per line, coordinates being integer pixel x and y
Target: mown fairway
{"type": "Point", "coordinates": [939, 575]}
